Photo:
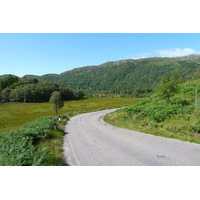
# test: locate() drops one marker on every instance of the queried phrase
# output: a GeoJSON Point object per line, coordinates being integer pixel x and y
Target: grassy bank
{"type": "Point", "coordinates": [176, 129]}
{"type": "Point", "coordinates": [179, 119]}
{"type": "Point", "coordinates": [54, 143]}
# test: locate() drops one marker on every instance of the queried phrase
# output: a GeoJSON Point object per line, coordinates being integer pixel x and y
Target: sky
{"type": "Point", "coordinates": [43, 53]}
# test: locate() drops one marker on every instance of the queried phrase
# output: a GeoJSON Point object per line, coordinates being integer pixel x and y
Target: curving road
{"type": "Point", "coordinates": [89, 141]}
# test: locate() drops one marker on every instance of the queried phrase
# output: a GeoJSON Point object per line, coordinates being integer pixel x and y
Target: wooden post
{"type": "Point", "coordinates": [196, 98]}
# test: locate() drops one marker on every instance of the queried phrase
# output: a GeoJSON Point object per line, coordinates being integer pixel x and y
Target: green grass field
{"type": "Point", "coordinates": [15, 115]}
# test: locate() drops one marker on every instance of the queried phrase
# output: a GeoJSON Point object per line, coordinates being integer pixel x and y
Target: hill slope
{"type": "Point", "coordinates": [125, 74]}
{"type": "Point", "coordinates": [179, 118]}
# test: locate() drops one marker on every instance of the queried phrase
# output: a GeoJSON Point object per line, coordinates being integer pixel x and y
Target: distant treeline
{"type": "Point", "coordinates": [15, 89]}
{"type": "Point", "coordinates": [135, 92]}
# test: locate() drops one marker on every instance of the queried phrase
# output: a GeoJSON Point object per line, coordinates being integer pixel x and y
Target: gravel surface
{"type": "Point", "coordinates": [89, 141]}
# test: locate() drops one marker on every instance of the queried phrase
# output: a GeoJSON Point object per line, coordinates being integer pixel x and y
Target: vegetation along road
{"type": "Point", "coordinates": [89, 141]}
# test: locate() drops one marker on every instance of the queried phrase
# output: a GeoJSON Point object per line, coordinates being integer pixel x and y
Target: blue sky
{"type": "Point", "coordinates": [34, 53]}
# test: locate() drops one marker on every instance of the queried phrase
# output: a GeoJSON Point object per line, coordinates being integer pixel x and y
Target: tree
{"type": "Point", "coordinates": [67, 93]}
{"type": "Point", "coordinates": [78, 94]}
{"type": "Point", "coordinates": [4, 95]}
{"type": "Point", "coordinates": [56, 101]}
{"type": "Point", "coordinates": [169, 87]}
{"type": "Point", "coordinates": [8, 81]}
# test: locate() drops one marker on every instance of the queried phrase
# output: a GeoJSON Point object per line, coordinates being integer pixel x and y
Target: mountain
{"type": "Point", "coordinates": [125, 74]}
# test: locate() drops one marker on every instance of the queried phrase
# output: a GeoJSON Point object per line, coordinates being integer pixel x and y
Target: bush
{"type": "Point", "coordinates": [15, 150]}
{"type": "Point", "coordinates": [38, 129]}
{"type": "Point", "coordinates": [182, 102]}
{"type": "Point", "coordinates": [196, 127]}
{"type": "Point", "coordinates": [19, 147]}
{"type": "Point", "coordinates": [137, 108]}
{"type": "Point", "coordinates": [159, 113]}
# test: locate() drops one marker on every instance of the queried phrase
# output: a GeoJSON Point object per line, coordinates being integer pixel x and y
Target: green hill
{"type": "Point", "coordinates": [171, 111]}
{"type": "Point", "coordinates": [125, 74]}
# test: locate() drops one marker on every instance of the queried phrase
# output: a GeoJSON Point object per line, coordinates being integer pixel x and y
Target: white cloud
{"type": "Point", "coordinates": [141, 55]}
{"type": "Point", "coordinates": [176, 52]}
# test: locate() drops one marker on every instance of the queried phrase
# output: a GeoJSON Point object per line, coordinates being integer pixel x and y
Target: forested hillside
{"type": "Point", "coordinates": [125, 76]}
{"type": "Point", "coordinates": [15, 89]}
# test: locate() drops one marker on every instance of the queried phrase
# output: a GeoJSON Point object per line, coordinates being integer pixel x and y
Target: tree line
{"type": "Point", "coordinates": [15, 89]}
{"type": "Point", "coordinates": [135, 92]}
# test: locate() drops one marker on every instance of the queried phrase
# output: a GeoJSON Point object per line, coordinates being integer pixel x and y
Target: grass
{"type": "Point", "coordinates": [179, 128]}
{"type": "Point", "coordinates": [16, 115]}
{"type": "Point", "coordinates": [54, 144]}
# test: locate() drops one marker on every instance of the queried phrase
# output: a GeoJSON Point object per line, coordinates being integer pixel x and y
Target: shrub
{"type": "Point", "coordinates": [196, 127]}
{"type": "Point", "coordinates": [16, 150]}
{"type": "Point", "coordinates": [182, 102]}
{"type": "Point", "coordinates": [138, 107]}
{"type": "Point", "coordinates": [159, 113]}
{"type": "Point", "coordinates": [20, 147]}
{"type": "Point", "coordinates": [38, 129]}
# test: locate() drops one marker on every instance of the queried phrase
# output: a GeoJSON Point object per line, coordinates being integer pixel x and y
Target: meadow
{"type": "Point", "coordinates": [15, 115]}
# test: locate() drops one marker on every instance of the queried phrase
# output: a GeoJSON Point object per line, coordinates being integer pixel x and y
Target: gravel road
{"type": "Point", "coordinates": [89, 141]}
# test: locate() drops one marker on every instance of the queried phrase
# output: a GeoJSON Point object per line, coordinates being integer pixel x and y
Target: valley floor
{"type": "Point", "coordinates": [15, 115]}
